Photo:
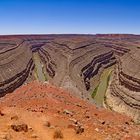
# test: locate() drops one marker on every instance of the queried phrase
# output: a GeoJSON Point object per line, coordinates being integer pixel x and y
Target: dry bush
{"type": "Point", "coordinates": [58, 134]}
{"type": "Point", "coordinates": [20, 127]}
{"type": "Point", "coordinates": [14, 117]}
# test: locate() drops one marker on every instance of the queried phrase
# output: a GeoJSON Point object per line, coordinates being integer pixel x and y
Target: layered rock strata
{"type": "Point", "coordinates": [74, 62]}
{"type": "Point", "coordinates": [75, 66]}
{"type": "Point", "coordinates": [16, 65]}
{"type": "Point", "coordinates": [123, 94]}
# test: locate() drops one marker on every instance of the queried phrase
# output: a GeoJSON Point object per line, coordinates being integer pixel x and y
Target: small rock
{"type": "Point", "coordinates": [1, 113]}
{"type": "Point", "coordinates": [96, 114]}
{"type": "Point", "coordinates": [79, 130]}
{"type": "Point", "coordinates": [97, 129]}
{"type": "Point", "coordinates": [30, 129]}
{"type": "Point", "coordinates": [87, 117]}
{"type": "Point", "coordinates": [52, 127]}
{"type": "Point", "coordinates": [48, 124]}
{"type": "Point", "coordinates": [58, 111]}
{"type": "Point", "coordinates": [103, 122]}
{"type": "Point", "coordinates": [74, 121]}
{"type": "Point", "coordinates": [127, 123]}
{"type": "Point", "coordinates": [78, 105]}
{"type": "Point", "coordinates": [67, 112]}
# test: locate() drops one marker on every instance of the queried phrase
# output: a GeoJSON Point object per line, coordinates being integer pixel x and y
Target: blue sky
{"type": "Point", "coordinates": [69, 16]}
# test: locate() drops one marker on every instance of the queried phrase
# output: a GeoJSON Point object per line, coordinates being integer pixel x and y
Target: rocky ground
{"type": "Point", "coordinates": [39, 111]}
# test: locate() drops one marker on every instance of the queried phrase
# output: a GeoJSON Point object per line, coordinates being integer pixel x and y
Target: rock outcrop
{"type": "Point", "coordinates": [124, 92]}
{"type": "Point", "coordinates": [16, 65]}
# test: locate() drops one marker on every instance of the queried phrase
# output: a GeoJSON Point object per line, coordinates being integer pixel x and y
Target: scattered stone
{"type": "Point", "coordinates": [97, 129]}
{"type": "Point", "coordinates": [103, 122]}
{"type": "Point", "coordinates": [78, 105]}
{"type": "Point", "coordinates": [67, 112]}
{"type": "Point", "coordinates": [74, 120]}
{"type": "Point", "coordinates": [79, 130]}
{"type": "Point", "coordinates": [87, 117]}
{"type": "Point", "coordinates": [96, 114]}
{"type": "Point", "coordinates": [20, 127]}
{"type": "Point", "coordinates": [52, 127]}
{"type": "Point", "coordinates": [30, 129]}
{"type": "Point", "coordinates": [58, 111]}
{"type": "Point", "coordinates": [127, 123]}
{"type": "Point", "coordinates": [125, 131]}
{"type": "Point", "coordinates": [48, 124]}
{"type": "Point", "coordinates": [77, 126]}
{"type": "Point", "coordinates": [1, 113]}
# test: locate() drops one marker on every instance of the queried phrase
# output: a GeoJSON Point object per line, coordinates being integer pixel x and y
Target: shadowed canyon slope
{"type": "Point", "coordinates": [75, 63]}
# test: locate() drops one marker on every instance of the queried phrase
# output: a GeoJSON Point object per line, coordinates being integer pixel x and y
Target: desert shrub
{"type": "Point", "coordinates": [14, 117]}
{"type": "Point", "coordinates": [58, 134]}
{"type": "Point", "coordinates": [95, 91]}
{"type": "Point", "coordinates": [19, 128]}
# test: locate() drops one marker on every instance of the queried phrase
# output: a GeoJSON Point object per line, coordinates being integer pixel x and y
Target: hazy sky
{"type": "Point", "coordinates": [69, 16]}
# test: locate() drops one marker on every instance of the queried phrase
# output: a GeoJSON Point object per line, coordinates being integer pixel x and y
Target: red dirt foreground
{"type": "Point", "coordinates": [43, 112]}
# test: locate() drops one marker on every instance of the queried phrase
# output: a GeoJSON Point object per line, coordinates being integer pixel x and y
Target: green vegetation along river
{"type": "Point", "coordinates": [39, 74]}
{"type": "Point", "coordinates": [99, 92]}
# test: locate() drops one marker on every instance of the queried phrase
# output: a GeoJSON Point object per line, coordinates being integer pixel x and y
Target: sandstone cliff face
{"type": "Point", "coordinates": [75, 66]}
{"type": "Point", "coordinates": [15, 66]}
{"type": "Point", "coordinates": [124, 92]}
{"type": "Point", "coordinates": [74, 63]}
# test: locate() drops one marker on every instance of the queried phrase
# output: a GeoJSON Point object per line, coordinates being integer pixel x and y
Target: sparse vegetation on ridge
{"type": "Point", "coordinates": [95, 91]}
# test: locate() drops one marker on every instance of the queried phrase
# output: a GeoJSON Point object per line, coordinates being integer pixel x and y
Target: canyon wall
{"type": "Point", "coordinates": [74, 62]}
{"type": "Point", "coordinates": [123, 94]}
{"type": "Point", "coordinates": [16, 65]}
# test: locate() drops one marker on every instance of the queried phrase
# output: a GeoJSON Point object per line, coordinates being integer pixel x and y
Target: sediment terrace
{"type": "Point", "coordinates": [73, 62]}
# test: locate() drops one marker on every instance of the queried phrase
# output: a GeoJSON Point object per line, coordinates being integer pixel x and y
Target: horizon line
{"type": "Point", "coordinates": [23, 34]}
